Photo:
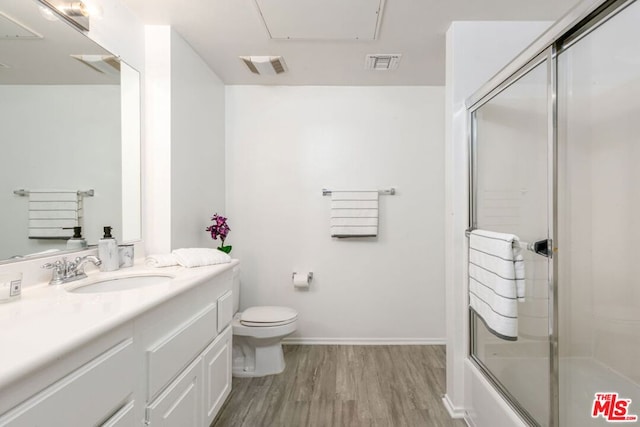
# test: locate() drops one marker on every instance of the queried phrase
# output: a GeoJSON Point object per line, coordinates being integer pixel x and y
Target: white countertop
{"type": "Point", "coordinates": [48, 321]}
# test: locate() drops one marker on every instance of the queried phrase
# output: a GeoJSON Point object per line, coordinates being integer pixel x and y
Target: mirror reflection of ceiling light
{"type": "Point", "coordinates": [76, 12]}
{"type": "Point", "coordinates": [47, 13]}
{"type": "Point", "coordinates": [87, 8]}
{"type": "Point", "coordinates": [76, 8]}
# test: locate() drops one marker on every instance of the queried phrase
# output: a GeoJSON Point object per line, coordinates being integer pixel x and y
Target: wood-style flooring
{"type": "Point", "coordinates": [330, 385]}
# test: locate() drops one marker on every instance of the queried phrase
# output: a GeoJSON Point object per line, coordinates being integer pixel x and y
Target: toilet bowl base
{"type": "Point", "coordinates": [257, 357]}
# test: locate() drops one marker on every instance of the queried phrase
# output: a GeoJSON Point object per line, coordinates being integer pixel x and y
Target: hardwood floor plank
{"type": "Point", "coordinates": [350, 386]}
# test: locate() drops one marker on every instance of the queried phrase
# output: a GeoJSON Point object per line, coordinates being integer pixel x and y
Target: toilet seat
{"type": "Point", "coordinates": [268, 316]}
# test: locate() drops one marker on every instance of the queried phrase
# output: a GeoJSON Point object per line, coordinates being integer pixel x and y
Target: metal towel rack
{"type": "Point", "coordinates": [81, 193]}
{"type": "Point", "coordinates": [541, 247]}
{"type": "Point", "coordinates": [387, 192]}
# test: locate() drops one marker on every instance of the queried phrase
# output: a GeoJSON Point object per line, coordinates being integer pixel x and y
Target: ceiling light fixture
{"type": "Point", "coordinates": [265, 65]}
{"type": "Point", "coordinates": [76, 12]}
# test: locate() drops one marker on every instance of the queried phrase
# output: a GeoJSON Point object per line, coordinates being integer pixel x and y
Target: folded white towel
{"type": "Point", "coordinates": [196, 257]}
{"type": "Point", "coordinates": [496, 281]}
{"type": "Point", "coordinates": [161, 260]}
{"type": "Point", "coordinates": [354, 213]}
{"type": "Point", "coordinates": [53, 213]}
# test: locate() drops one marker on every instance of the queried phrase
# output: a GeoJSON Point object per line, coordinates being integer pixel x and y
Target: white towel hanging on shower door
{"type": "Point", "coordinates": [496, 281]}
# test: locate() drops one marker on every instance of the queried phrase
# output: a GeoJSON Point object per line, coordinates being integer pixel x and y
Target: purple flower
{"type": "Point", "coordinates": [219, 228]}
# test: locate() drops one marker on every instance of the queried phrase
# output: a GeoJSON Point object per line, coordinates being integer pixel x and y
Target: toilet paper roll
{"type": "Point", "coordinates": [301, 280]}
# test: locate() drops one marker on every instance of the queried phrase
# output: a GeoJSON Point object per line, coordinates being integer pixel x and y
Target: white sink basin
{"type": "Point", "coordinates": [122, 283]}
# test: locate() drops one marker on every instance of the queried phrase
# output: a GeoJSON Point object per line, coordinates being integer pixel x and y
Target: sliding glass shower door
{"type": "Point", "coordinates": [599, 222]}
{"type": "Point", "coordinates": [555, 157]}
{"type": "Point", "coordinates": [511, 181]}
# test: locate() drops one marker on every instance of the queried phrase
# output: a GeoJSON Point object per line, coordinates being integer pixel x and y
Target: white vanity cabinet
{"type": "Point", "coordinates": [169, 365]}
{"type": "Point", "coordinates": [89, 395]}
{"type": "Point", "coordinates": [189, 368]}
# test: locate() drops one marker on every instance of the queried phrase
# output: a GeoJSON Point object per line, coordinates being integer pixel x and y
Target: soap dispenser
{"type": "Point", "coordinates": [108, 252]}
{"type": "Point", "coordinates": [76, 242]}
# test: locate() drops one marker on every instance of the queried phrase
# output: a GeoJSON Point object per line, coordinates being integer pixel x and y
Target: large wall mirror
{"type": "Point", "coordinates": [70, 131]}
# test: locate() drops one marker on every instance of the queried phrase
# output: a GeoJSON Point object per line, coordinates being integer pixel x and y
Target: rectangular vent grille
{"type": "Point", "coordinates": [265, 65]}
{"type": "Point", "coordinates": [382, 62]}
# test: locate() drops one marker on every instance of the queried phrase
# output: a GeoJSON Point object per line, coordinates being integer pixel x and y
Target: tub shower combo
{"type": "Point", "coordinates": [555, 160]}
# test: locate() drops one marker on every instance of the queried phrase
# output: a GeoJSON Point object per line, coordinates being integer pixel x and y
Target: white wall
{"type": "Point", "coordinates": [284, 144]}
{"type": "Point", "coordinates": [59, 137]}
{"type": "Point", "coordinates": [185, 160]}
{"type": "Point", "coordinates": [475, 52]}
{"type": "Point", "coordinates": [197, 147]}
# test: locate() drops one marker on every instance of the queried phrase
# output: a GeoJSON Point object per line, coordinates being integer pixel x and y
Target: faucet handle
{"type": "Point", "coordinates": [58, 268]}
{"type": "Point", "coordinates": [55, 265]}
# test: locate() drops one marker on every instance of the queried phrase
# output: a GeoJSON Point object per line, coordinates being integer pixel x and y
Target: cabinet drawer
{"type": "Point", "coordinates": [168, 357]}
{"type": "Point", "coordinates": [217, 374]}
{"type": "Point", "coordinates": [225, 310]}
{"type": "Point", "coordinates": [84, 397]}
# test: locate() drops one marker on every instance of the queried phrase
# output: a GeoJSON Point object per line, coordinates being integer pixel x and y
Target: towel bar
{"type": "Point", "coordinates": [388, 192]}
{"type": "Point", "coordinates": [541, 247]}
{"type": "Point", "coordinates": [25, 193]}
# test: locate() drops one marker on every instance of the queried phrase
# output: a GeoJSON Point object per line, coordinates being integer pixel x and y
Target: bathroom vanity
{"type": "Point", "coordinates": [154, 355]}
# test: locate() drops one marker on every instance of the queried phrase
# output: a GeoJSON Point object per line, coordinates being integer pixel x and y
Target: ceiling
{"type": "Point", "coordinates": [222, 30]}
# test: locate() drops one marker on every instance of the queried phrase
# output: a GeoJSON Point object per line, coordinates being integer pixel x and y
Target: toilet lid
{"type": "Point", "coordinates": [268, 316]}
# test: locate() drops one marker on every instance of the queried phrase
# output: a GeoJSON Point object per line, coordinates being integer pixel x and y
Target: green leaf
{"type": "Point", "coordinates": [225, 249]}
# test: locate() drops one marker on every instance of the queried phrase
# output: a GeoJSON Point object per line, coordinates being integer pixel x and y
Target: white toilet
{"type": "Point", "coordinates": [257, 336]}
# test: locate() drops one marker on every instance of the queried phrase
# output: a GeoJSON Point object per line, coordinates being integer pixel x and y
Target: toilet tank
{"type": "Point", "coordinates": [236, 288]}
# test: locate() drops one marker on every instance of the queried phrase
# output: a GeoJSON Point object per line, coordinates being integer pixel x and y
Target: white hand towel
{"type": "Point", "coordinates": [161, 260]}
{"type": "Point", "coordinates": [196, 257]}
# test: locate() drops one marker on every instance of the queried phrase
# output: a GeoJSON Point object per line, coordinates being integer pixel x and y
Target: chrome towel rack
{"type": "Point", "coordinates": [81, 193]}
{"type": "Point", "coordinates": [541, 247]}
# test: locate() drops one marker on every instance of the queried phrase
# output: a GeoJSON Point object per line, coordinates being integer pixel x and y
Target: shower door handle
{"type": "Point", "coordinates": [543, 247]}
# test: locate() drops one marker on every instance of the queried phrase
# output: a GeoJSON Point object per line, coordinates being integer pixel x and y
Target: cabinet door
{"type": "Point", "coordinates": [181, 403]}
{"type": "Point", "coordinates": [217, 374]}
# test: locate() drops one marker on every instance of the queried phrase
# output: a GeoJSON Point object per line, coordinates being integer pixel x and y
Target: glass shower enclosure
{"type": "Point", "coordinates": [555, 159]}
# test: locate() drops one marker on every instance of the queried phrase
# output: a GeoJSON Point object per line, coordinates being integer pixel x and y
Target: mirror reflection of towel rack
{"type": "Point", "coordinates": [81, 193]}
{"type": "Point", "coordinates": [387, 192]}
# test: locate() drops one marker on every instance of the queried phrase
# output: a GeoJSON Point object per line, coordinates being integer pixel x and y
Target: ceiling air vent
{"type": "Point", "coordinates": [382, 62]}
{"type": "Point", "coordinates": [265, 65]}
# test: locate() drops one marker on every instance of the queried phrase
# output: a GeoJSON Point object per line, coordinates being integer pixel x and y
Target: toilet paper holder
{"type": "Point", "coordinates": [309, 276]}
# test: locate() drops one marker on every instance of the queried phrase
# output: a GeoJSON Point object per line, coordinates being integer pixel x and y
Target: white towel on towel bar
{"type": "Point", "coordinates": [496, 281]}
{"type": "Point", "coordinates": [53, 213]}
{"type": "Point", "coordinates": [354, 213]}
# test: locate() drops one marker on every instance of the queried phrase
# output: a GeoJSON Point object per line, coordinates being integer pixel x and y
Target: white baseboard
{"type": "Point", "coordinates": [363, 341]}
{"type": "Point", "coordinates": [453, 411]}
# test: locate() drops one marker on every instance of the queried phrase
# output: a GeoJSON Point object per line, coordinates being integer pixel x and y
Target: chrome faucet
{"type": "Point", "coordinates": [67, 271]}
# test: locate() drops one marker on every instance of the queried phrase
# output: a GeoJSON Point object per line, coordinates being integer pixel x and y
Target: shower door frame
{"type": "Point", "coordinates": [580, 21]}
{"type": "Point", "coordinates": [546, 57]}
